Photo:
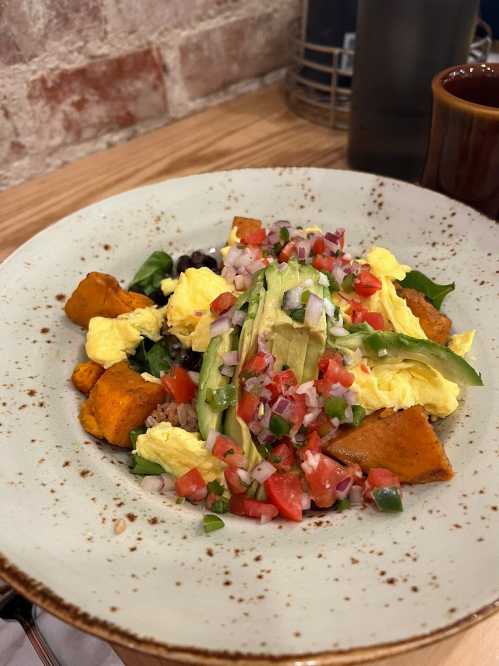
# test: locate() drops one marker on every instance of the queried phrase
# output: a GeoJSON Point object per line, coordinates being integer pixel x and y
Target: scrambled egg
{"type": "Point", "coordinates": [393, 308]}
{"type": "Point", "coordinates": [178, 451]}
{"type": "Point", "coordinates": [168, 286]}
{"type": "Point", "coordinates": [461, 343]}
{"type": "Point", "coordinates": [402, 384]}
{"type": "Point", "coordinates": [188, 310]}
{"type": "Point", "coordinates": [109, 341]}
{"type": "Point", "coordinates": [231, 241]}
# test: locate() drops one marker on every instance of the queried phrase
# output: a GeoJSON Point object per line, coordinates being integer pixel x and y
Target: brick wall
{"type": "Point", "coordinates": [77, 76]}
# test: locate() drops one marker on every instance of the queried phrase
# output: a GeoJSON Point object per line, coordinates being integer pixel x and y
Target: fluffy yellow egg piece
{"type": "Point", "coordinates": [178, 451]}
{"type": "Point", "coordinates": [461, 343]}
{"type": "Point", "coordinates": [402, 384]}
{"type": "Point", "coordinates": [188, 310]}
{"type": "Point", "coordinates": [110, 340]}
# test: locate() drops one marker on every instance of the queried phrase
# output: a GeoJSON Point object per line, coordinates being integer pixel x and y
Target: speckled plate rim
{"type": "Point", "coordinates": [44, 597]}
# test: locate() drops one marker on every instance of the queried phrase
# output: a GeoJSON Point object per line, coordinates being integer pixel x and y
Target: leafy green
{"type": "Point", "coordinates": [134, 433]}
{"type": "Point", "coordinates": [212, 523]}
{"type": "Point", "coordinates": [434, 292]}
{"type": "Point", "coordinates": [158, 359]}
{"type": "Point", "coordinates": [144, 467]}
{"type": "Point", "coordinates": [215, 487]}
{"type": "Point", "coordinates": [138, 361]}
{"type": "Point", "coordinates": [148, 278]}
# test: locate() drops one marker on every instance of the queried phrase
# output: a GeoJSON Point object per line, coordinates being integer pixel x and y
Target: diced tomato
{"type": "Point", "coordinates": [256, 237]}
{"type": "Point", "coordinates": [283, 457]}
{"type": "Point", "coordinates": [313, 445]}
{"type": "Point", "coordinates": [366, 284]}
{"type": "Point", "coordinates": [256, 365]}
{"type": "Point", "coordinates": [357, 312]}
{"type": "Point", "coordinates": [236, 486]}
{"type": "Point", "coordinates": [299, 410]}
{"type": "Point", "coordinates": [379, 477]}
{"type": "Point", "coordinates": [323, 475]}
{"type": "Point", "coordinates": [364, 368]}
{"type": "Point", "coordinates": [191, 485]}
{"type": "Point", "coordinates": [244, 506]}
{"type": "Point", "coordinates": [247, 406]}
{"type": "Point", "coordinates": [284, 380]}
{"type": "Point", "coordinates": [179, 385]}
{"type": "Point", "coordinates": [334, 373]}
{"type": "Point", "coordinates": [323, 263]}
{"type": "Point", "coordinates": [329, 355]}
{"type": "Point", "coordinates": [288, 251]}
{"type": "Point", "coordinates": [227, 450]}
{"type": "Point", "coordinates": [318, 246]}
{"type": "Point", "coordinates": [375, 319]}
{"type": "Point", "coordinates": [285, 492]}
{"type": "Point", "coordinates": [222, 303]}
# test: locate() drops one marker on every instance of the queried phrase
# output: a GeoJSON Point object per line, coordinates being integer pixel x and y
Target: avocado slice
{"type": "Point", "coordinates": [400, 346]}
{"type": "Point", "coordinates": [234, 426]}
{"type": "Point", "coordinates": [210, 377]}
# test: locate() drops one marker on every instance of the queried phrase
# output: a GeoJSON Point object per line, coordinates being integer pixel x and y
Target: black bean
{"type": "Point", "coordinates": [183, 263]}
{"type": "Point", "coordinates": [210, 262]}
{"type": "Point", "coordinates": [197, 259]}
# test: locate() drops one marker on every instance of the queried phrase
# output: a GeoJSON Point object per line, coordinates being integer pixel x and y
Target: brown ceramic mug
{"type": "Point", "coordinates": [463, 153]}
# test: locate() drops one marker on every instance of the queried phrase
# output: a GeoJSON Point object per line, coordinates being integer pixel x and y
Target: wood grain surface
{"type": "Point", "coordinates": [254, 130]}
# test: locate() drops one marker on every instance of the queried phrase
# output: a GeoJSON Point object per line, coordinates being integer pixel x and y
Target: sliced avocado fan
{"type": "Point", "coordinates": [387, 345]}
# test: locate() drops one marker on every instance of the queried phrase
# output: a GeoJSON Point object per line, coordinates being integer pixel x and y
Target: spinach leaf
{"type": "Point", "coordinates": [134, 433]}
{"type": "Point", "coordinates": [144, 467]}
{"type": "Point", "coordinates": [158, 359]}
{"type": "Point", "coordinates": [434, 292]}
{"type": "Point", "coordinates": [138, 361]}
{"type": "Point", "coordinates": [148, 278]}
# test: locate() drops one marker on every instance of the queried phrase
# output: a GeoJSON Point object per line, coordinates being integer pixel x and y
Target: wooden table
{"type": "Point", "coordinates": [255, 130]}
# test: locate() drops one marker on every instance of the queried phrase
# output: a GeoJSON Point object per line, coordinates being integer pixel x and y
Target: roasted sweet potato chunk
{"type": "Point", "coordinates": [85, 376]}
{"type": "Point", "coordinates": [246, 225]}
{"type": "Point", "coordinates": [435, 324]}
{"type": "Point", "coordinates": [404, 442]}
{"type": "Point", "coordinates": [100, 294]}
{"type": "Point", "coordinates": [119, 401]}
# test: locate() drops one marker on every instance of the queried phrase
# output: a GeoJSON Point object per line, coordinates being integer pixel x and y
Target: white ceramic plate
{"type": "Point", "coordinates": [337, 587]}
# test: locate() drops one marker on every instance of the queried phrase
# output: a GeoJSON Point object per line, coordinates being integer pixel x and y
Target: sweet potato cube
{"type": "Point", "coordinates": [403, 442]}
{"type": "Point", "coordinates": [85, 376]}
{"type": "Point", "coordinates": [246, 225]}
{"type": "Point", "coordinates": [120, 401]}
{"type": "Point", "coordinates": [100, 294]}
{"type": "Point", "coordinates": [435, 324]}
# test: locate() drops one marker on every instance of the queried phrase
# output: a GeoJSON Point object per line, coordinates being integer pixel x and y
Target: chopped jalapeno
{"type": "Point", "coordinates": [215, 487]}
{"type": "Point", "coordinates": [144, 467]}
{"type": "Point", "coordinates": [335, 407]}
{"type": "Point", "coordinates": [134, 433]}
{"type": "Point", "coordinates": [358, 413]}
{"type": "Point", "coordinates": [342, 504]}
{"type": "Point", "coordinates": [298, 314]}
{"type": "Point", "coordinates": [221, 505]}
{"type": "Point", "coordinates": [212, 523]}
{"type": "Point", "coordinates": [221, 398]}
{"type": "Point", "coordinates": [388, 499]}
{"type": "Point", "coordinates": [279, 426]}
{"type": "Point", "coordinates": [347, 284]}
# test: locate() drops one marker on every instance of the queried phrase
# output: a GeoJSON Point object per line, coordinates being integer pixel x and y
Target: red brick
{"type": "Point", "coordinates": [73, 105]}
{"type": "Point", "coordinates": [148, 17]}
{"type": "Point", "coordinates": [28, 26]}
{"type": "Point", "coordinates": [215, 58]}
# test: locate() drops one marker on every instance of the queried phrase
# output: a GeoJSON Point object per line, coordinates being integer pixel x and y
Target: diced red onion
{"type": "Point", "coordinates": [303, 248]}
{"type": "Point", "coordinates": [199, 494]}
{"type": "Point", "coordinates": [253, 384]}
{"type": "Point", "coordinates": [306, 386]}
{"type": "Point", "coordinates": [292, 298]}
{"type": "Point", "coordinates": [265, 518]}
{"type": "Point", "coordinates": [256, 427]}
{"type": "Point", "coordinates": [281, 267]}
{"type": "Point", "coordinates": [355, 496]}
{"type": "Point", "coordinates": [311, 462]}
{"type": "Point", "coordinates": [219, 326]}
{"type": "Point", "coordinates": [228, 370]}
{"type": "Point", "coordinates": [338, 331]}
{"type": "Point", "coordinates": [194, 376]}
{"type": "Point", "coordinates": [311, 398]}
{"type": "Point", "coordinates": [262, 344]}
{"type": "Point", "coordinates": [337, 390]}
{"type": "Point", "coordinates": [306, 502]}
{"type": "Point", "coordinates": [238, 317]}
{"type": "Point", "coordinates": [210, 440]}
{"type": "Point", "coordinates": [313, 311]}
{"type": "Point", "coordinates": [347, 256]}
{"type": "Point", "coordinates": [244, 476]}
{"type": "Point", "coordinates": [152, 484]}
{"type": "Point", "coordinates": [311, 417]}
{"type": "Point", "coordinates": [263, 471]}
{"type": "Point", "coordinates": [281, 405]}
{"type": "Point", "coordinates": [335, 422]}
{"type": "Point", "coordinates": [240, 282]}
{"type": "Point", "coordinates": [168, 483]}
{"type": "Point", "coordinates": [267, 415]}
{"type": "Point", "coordinates": [265, 394]}
{"type": "Point", "coordinates": [231, 358]}
{"type": "Point", "coordinates": [339, 274]}
{"type": "Point", "coordinates": [343, 488]}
